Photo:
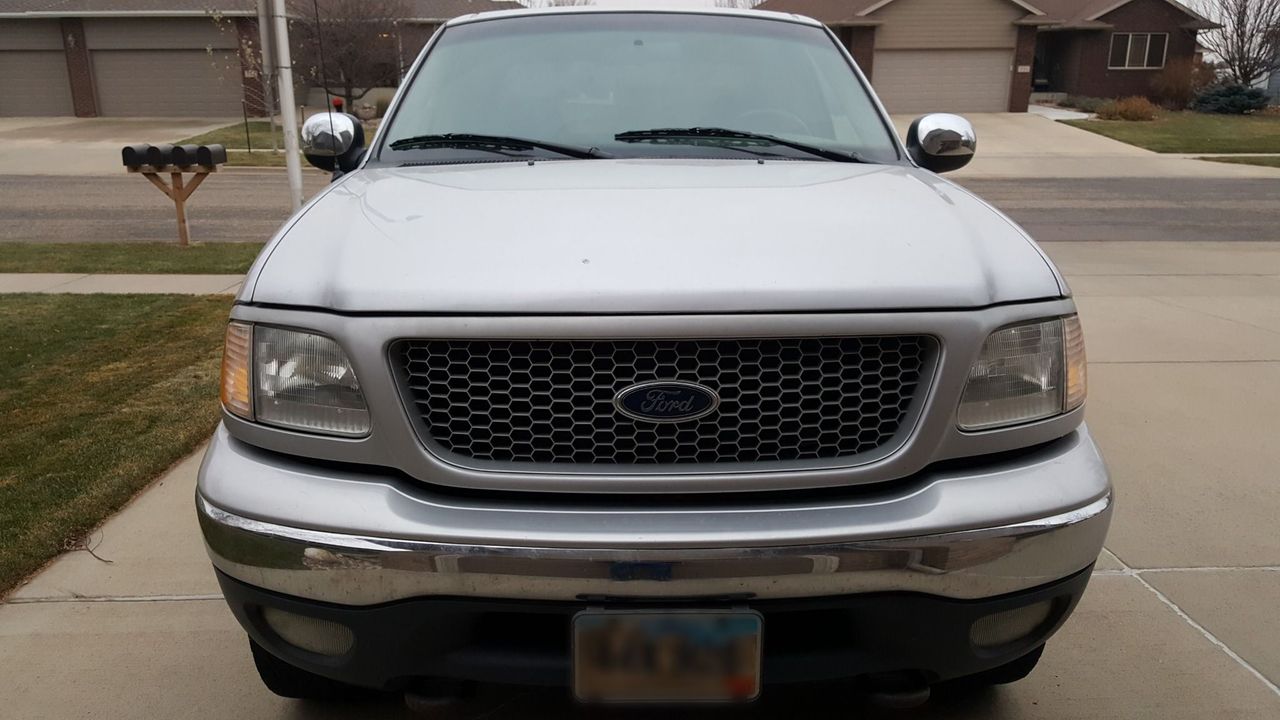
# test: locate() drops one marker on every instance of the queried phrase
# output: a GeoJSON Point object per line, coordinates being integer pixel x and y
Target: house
{"type": "Point", "coordinates": [126, 57]}
{"type": "Point", "coordinates": [979, 55]}
{"type": "Point", "coordinates": [153, 58]}
{"type": "Point", "coordinates": [428, 15]}
{"type": "Point", "coordinates": [1109, 48]}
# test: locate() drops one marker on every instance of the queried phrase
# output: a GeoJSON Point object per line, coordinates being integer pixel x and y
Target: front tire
{"type": "Point", "coordinates": [288, 681]}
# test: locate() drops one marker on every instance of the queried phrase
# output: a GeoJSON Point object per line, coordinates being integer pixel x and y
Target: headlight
{"type": "Point", "coordinates": [1025, 373]}
{"type": "Point", "coordinates": [300, 381]}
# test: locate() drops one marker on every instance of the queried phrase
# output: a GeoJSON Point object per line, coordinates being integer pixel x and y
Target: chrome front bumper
{"type": "Point", "coordinates": [344, 537]}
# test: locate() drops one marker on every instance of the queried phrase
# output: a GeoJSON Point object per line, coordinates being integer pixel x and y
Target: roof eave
{"type": "Point", "coordinates": [1076, 25]}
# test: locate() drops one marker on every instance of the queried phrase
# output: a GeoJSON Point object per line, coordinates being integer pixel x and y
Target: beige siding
{"type": "Point", "coordinates": [159, 33]}
{"type": "Point", "coordinates": [34, 83]}
{"type": "Point", "coordinates": [922, 81]}
{"type": "Point", "coordinates": [30, 35]}
{"type": "Point", "coordinates": [937, 24]}
{"type": "Point", "coordinates": [167, 83]}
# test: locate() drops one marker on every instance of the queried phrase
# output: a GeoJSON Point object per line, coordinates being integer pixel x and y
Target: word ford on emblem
{"type": "Point", "coordinates": [666, 401]}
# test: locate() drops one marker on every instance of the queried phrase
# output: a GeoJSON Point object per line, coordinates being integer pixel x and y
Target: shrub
{"type": "Point", "coordinates": [1130, 108]}
{"type": "Point", "coordinates": [1081, 103]}
{"type": "Point", "coordinates": [1230, 100]}
{"type": "Point", "coordinates": [381, 105]}
{"type": "Point", "coordinates": [1180, 81]}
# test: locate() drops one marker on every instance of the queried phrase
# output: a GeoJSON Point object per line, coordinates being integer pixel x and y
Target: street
{"type": "Point", "coordinates": [243, 206]}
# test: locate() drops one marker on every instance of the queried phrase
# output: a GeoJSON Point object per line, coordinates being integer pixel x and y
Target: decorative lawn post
{"type": "Point", "coordinates": [151, 161]}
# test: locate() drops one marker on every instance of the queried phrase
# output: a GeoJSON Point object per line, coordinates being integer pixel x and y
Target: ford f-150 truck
{"type": "Point", "coordinates": [635, 354]}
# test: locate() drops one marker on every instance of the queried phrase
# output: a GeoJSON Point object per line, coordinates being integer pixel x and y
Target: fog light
{"type": "Point", "coordinates": [323, 637]}
{"type": "Point", "coordinates": [1011, 625]}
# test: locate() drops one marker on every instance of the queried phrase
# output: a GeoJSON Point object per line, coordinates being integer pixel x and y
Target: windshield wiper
{"type": "Point", "coordinates": [495, 143]}
{"type": "Point", "coordinates": [716, 133]}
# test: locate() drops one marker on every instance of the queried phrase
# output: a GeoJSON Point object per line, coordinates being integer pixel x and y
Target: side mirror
{"type": "Point", "coordinates": [941, 142]}
{"type": "Point", "coordinates": [333, 141]}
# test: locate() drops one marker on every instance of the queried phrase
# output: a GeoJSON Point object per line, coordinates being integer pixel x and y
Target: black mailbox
{"type": "Point", "coordinates": [158, 156]}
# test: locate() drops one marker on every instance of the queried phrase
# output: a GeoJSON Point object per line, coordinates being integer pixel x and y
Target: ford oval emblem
{"type": "Point", "coordinates": [666, 401]}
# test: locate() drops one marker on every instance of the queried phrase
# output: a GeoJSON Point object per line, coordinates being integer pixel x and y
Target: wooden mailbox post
{"type": "Point", "coordinates": [152, 161]}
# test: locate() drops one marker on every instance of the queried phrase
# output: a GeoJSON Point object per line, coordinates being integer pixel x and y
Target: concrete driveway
{"type": "Point", "coordinates": [85, 146]}
{"type": "Point", "coordinates": [1033, 146]}
{"type": "Point", "coordinates": [1179, 621]}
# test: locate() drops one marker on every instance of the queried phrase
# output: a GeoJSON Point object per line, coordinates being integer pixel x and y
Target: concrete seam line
{"type": "Point", "coordinates": [110, 598]}
{"type": "Point", "coordinates": [1137, 575]}
{"type": "Point", "coordinates": [1209, 636]}
{"type": "Point", "coordinates": [1223, 568]}
{"type": "Point", "coordinates": [1183, 362]}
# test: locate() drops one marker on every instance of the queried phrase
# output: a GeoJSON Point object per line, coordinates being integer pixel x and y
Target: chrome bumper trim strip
{"type": "Point", "coordinates": [355, 570]}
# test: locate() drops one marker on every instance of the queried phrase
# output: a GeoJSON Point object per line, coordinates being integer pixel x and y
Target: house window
{"type": "Point", "coordinates": [1138, 51]}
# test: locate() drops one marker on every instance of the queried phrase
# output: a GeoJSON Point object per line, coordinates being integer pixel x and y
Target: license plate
{"type": "Point", "coordinates": [666, 656]}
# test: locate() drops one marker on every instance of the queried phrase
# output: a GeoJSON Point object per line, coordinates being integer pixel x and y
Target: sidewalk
{"type": "Point", "coordinates": [120, 284]}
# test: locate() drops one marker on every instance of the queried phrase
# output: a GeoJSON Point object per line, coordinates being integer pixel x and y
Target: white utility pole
{"type": "Point", "coordinates": [288, 110]}
{"type": "Point", "coordinates": [268, 68]}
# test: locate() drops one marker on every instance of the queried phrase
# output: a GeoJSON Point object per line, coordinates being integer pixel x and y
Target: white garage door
{"type": "Point", "coordinates": [34, 83]}
{"type": "Point", "coordinates": [921, 81]}
{"type": "Point", "coordinates": [167, 83]}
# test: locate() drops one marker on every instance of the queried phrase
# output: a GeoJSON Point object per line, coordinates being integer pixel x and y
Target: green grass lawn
{"type": "Point", "coordinates": [99, 394]}
{"type": "Point", "coordinates": [214, 258]}
{"type": "Point", "coordinates": [1189, 132]}
{"type": "Point", "coordinates": [233, 136]}
{"type": "Point", "coordinates": [266, 158]}
{"type": "Point", "coordinates": [1264, 160]}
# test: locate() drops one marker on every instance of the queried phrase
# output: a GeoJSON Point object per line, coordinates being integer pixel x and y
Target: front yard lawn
{"type": "Point", "coordinates": [232, 136]}
{"type": "Point", "coordinates": [1264, 160]}
{"type": "Point", "coordinates": [99, 394]}
{"type": "Point", "coordinates": [1189, 132]}
{"type": "Point", "coordinates": [258, 158]}
{"type": "Point", "coordinates": [212, 258]}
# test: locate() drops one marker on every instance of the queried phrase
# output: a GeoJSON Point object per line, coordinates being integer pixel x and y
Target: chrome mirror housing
{"type": "Point", "coordinates": [941, 142]}
{"type": "Point", "coordinates": [328, 134]}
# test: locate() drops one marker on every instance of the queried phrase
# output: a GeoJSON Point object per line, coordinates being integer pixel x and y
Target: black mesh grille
{"type": "Point", "coordinates": [552, 402]}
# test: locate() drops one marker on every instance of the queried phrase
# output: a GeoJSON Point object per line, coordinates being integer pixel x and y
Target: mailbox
{"type": "Point", "coordinates": [151, 161]}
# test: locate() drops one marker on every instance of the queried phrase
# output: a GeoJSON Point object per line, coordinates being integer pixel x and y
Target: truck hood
{"type": "Point", "coordinates": [648, 236]}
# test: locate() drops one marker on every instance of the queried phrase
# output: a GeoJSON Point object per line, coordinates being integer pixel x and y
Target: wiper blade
{"type": "Point", "coordinates": [497, 143]}
{"type": "Point", "coordinates": [717, 133]}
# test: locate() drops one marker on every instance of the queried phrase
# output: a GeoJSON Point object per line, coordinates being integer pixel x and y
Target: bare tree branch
{"type": "Point", "coordinates": [354, 48]}
{"type": "Point", "coordinates": [1248, 43]}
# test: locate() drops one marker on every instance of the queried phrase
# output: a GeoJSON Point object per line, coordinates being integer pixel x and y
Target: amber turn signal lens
{"type": "Point", "coordinates": [237, 396]}
{"type": "Point", "coordinates": [1077, 376]}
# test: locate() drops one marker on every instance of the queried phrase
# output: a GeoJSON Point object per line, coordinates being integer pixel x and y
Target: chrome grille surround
{"type": "Point", "coordinates": [785, 402]}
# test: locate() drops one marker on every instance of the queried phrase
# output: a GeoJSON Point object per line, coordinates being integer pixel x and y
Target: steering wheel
{"type": "Point", "coordinates": [775, 121]}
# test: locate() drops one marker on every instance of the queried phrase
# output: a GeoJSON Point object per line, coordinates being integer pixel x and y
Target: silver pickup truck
{"type": "Point", "coordinates": [636, 355]}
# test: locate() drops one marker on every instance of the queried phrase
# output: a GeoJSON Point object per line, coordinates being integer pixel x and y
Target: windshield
{"type": "Point", "coordinates": [580, 81]}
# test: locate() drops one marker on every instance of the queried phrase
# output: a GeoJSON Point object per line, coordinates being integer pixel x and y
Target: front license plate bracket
{"type": "Point", "coordinates": [666, 656]}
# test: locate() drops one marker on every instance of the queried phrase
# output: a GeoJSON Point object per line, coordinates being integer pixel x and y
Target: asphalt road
{"type": "Point", "coordinates": [240, 206]}
{"type": "Point", "coordinates": [230, 206]}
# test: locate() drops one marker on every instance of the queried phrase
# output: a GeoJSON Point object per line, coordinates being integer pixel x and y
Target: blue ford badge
{"type": "Point", "coordinates": [665, 401]}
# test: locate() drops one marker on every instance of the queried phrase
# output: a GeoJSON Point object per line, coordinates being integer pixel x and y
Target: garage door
{"type": "Point", "coordinates": [920, 81]}
{"type": "Point", "coordinates": [34, 82]}
{"type": "Point", "coordinates": [167, 83]}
